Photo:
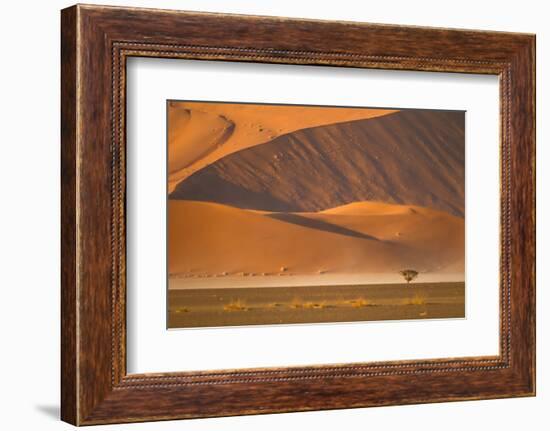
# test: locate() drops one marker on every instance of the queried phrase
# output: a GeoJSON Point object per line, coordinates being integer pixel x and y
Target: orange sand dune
{"type": "Point", "coordinates": [209, 239]}
{"type": "Point", "coordinates": [200, 133]}
{"type": "Point", "coordinates": [410, 157]}
{"type": "Point", "coordinates": [437, 234]}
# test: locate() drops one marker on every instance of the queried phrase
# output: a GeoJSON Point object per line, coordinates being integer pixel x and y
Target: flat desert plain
{"type": "Point", "coordinates": [314, 304]}
{"type": "Point", "coordinates": [282, 214]}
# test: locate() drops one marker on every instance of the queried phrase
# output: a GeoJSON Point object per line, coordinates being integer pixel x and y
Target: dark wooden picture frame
{"type": "Point", "coordinates": [95, 43]}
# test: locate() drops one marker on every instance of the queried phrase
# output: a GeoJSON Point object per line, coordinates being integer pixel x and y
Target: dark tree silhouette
{"type": "Point", "coordinates": [409, 274]}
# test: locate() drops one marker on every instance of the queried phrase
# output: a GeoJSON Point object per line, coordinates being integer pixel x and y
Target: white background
{"type": "Point", "coordinates": [29, 229]}
{"type": "Point", "coordinates": [151, 348]}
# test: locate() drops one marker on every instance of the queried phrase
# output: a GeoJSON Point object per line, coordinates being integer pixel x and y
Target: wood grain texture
{"type": "Point", "coordinates": [96, 41]}
{"type": "Point", "coordinates": [69, 397]}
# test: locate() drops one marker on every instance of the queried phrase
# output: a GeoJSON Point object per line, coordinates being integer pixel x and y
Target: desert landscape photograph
{"type": "Point", "coordinates": [285, 214]}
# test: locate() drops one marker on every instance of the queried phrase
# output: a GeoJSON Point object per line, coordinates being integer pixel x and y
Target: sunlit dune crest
{"type": "Point", "coordinates": [366, 208]}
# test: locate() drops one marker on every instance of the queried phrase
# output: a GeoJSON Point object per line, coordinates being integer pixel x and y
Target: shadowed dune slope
{"type": "Point", "coordinates": [413, 157]}
{"type": "Point", "coordinates": [200, 133]}
{"type": "Point", "coordinates": [365, 237]}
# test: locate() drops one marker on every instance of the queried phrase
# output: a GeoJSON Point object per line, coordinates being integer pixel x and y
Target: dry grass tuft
{"type": "Point", "coordinates": [361, 302]}
{"type": "Point", "coordinates": [417, 299]}
{"type": "Point", "coordinates": [311, 305]}
{"type": "Point", "coordinates": [296, 303]}
{"type": "Point", "coordinates": [237, 305]}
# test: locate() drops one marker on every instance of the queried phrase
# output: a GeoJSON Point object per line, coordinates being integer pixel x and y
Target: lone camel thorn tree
{"type": "Point", "coordinates": [409, 274]}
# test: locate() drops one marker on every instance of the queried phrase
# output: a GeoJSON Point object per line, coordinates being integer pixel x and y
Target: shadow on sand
{"type": "Point", "coordinates": [319, 225]}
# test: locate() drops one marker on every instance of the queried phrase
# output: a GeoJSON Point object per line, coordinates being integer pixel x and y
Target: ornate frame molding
{"type": "Point", "coordinates": [96, 41]}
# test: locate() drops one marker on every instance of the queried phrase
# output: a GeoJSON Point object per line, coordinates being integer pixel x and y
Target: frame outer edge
{"type": "Point", "coordinates": [523, 216]}
{"type": "Point", "coordinates": [69, 300]}
{"type": "Point", "coordinates": [533, 53]}
{"type": "Point", "coordinates": [523, 179]}
{"type": "Point", "coordinates": [527, 61]}
{"type": "Point", "coordinates": [532, 62]}
{"type": "Point", "coordinates": [88, 397]}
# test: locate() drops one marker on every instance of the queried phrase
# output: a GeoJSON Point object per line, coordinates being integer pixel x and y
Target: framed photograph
{"type": "Point", "coordinates": [299, 214]}
{"type": "Point", "coordinates": [265, 215]}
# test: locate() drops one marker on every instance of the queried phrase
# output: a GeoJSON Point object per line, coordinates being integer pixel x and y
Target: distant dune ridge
{"type": "Point", "coordinates": [364, 237]}
{"type": "Point", "coordinates": [410, 157]}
